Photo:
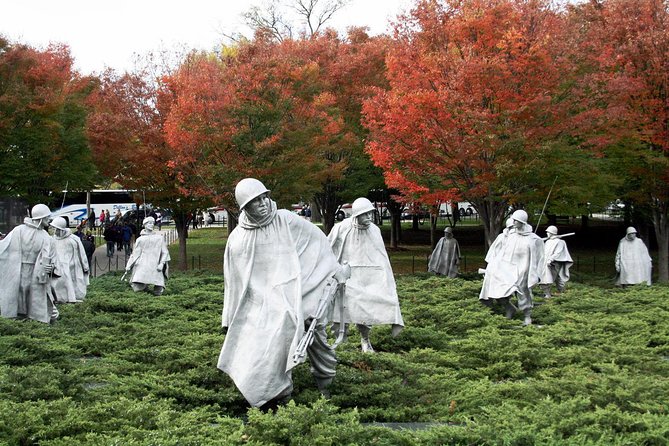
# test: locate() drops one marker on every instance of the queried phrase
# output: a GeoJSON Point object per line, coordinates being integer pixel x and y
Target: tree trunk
{"type": "Point", "coordinates": [433, 229]}
{"type": "Point", "coordinates": [492, 215]}
{"type": "Point", "coordinates": [233, 219]}
{"type": "Point", "coordinates": [327, 203]}
{"type": "Point", "coordinates": [395, 210]}
{"type": "Point", "coordinates": [316, 216]}
{"type": "Point", "coordinates": [394, 223]}
{"type": "Point", "coordinates": [414, 221]}
{"type": "Point", "coordinates": [181, 225]}
{"type": "Point", "coordinates": [455, 212]}
{"type": "Point", "coordinates": [661, 225]}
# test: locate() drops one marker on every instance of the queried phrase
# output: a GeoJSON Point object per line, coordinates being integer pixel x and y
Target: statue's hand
{"type": "Point", "coordinates": [48, 268]}
{"type": "Point", "coordinates": [343, 274]}
{"type": "Point", "coordinates": [159, 267]}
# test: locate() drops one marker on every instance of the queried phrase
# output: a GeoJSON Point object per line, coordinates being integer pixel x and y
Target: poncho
{"type": "Point", "coordinates": [371, 293]}
{"type": "Point", "coordinates": [633, 262]}
{"type": "Point", "coordinates": [275, 272]}
{"type": "Point", "coordinates": [72, 262]}
{"type": "Point", "coordinates": [555, 251]}
{"type": "Point", "coordinates": [515, 264]}
{"type": "Point", "coordinates": [445, 258]}
{"type": "Point", "coordinates": [23, 254]}
{"type": "Point", "coordinates": [149, 252]}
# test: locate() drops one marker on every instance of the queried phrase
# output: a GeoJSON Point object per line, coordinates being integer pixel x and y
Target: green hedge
{"type": "Point", "coordinates": [128, 368]}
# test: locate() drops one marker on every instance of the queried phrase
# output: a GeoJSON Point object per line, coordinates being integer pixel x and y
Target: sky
{"type": "Point", "coordinates": [110, 33]}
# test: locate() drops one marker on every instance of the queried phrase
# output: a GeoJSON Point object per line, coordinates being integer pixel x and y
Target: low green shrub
{"type": "Point", "coordinates": [128, 368]}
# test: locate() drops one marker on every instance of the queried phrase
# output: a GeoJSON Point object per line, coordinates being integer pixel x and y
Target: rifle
{"type": "Point", "coordinates": [332, 287]}
{"type": "Point", "coordinates": [128, 268]}
{"type": "Point", "coordinates": [545, 203]}
{"type": "Point", "coordinates": [559, 236]}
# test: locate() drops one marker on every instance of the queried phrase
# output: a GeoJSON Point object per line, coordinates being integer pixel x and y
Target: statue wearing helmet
{"type": "Point", "coordinates": [70, 286]}
{"type": "Point", "coordinates": [370, 297]}
{"type": "Point", "coordinates": [515, 264]}
{"type": "Point", "coordinates": [276, 268]}
{"type": "Point", "coordinates": [633, 262]}
{"type": "Point", "coordinates": [446, 255]}
{"type": "Point", "coordinates": [557, 262]}
{"type": "Point", "coordinates": [27, 263]}
{"type": "Point", "coordinates": [149, 261]}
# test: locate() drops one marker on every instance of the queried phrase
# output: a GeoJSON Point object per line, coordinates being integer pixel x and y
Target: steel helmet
{"type": "Point", "coordinates": [551, 230]}
{"type": "Point", "coordinates": [248, 189]}
{"type": "Point", "coordinates": [448, 229]}
{"type": "Point", "coordinates": [509, 222]}
{"type": "Point", "coordinates": [630, 230]}
{"type": "Point", "coordinates": [148, 220]}
{"type": "Point", "coordinates": [361, 206]}
{"type": "Point", "coordinates": [59, 223]}
{"type": "Point", "coordinates": [40, 211]}
{"type": "Point", "coordinates": [519, 215]}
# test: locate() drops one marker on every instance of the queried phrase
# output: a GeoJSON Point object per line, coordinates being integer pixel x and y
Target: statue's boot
{"type": "Point", "coordinates": [364, 342]}
{"type": "Point", "coordinates": [274, 403]}
{"type": "Point", "coordinates": [323, 384]}
{"type": "Point", "coordinates": [158, 290]}
{"type": "Point", "coordinates": [547, 291]}
{"type": "Point", "coordinates": [528, 316]}
{"type": "Point", "coordinates": [510, 309]}
{"type": "Point", "coordinates": [486, 302]}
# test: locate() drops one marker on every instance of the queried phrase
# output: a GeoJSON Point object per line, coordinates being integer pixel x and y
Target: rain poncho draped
{"type": "Point", "coordinates": [23, 254]}
{"type": "Point", "coordinates": [149, 252]}
{"type": "Point", "coordinates": [371, 293]}
{"type": "Point", "coordinates": [275, 272]}
{"type": "Point", "coordinates": [445, 258]}
{"type": "Point", "coordinates": [72, 262]}
{"type": "Point", "coordinates": [556, 254]}
{"type": "Point", "coordinates": [515, 264]}
{"type": "Point", "coordinates": [633, 262]}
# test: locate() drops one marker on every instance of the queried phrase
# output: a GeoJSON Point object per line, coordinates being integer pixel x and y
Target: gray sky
{"type": "Point", "coordinates": [108, 33]}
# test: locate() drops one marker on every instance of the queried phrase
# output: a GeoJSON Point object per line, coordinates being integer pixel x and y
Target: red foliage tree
{"type": "Point", "coordinates": [470, 101]}
{"type": "Point", "coordinates": [286, 112]}
{"type": "Point", "coordinates": [126, 132]}
{"type": "Point", "coordinates": [622, 51]}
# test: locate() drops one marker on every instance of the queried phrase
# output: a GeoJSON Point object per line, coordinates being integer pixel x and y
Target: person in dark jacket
{"type": "Point", "coordinates": [89, 247]}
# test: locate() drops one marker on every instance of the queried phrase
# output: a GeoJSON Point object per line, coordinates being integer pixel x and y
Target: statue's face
{"type": "Point", "coordinates": [44, 223]}
{"type": "Point", "coordinates": [518, 224]}
{"type": "Point", "coordinates": [365, 219]}
{"type": "Point", "coordinates": [631, 236]}
{"type": "Point", "coordinates": [149, 225]}
{"type": "Point", "coordinates": [259, 207]}
{"type": "Point", "coordinates": [448, 234]}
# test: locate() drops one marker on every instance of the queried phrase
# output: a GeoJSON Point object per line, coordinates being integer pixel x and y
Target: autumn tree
{"type": "Point", "coordinates": [622, 48]}
{"type": "Point", "coordinates": [470, 103]}
{"type": "Point", "coordinates": [43, 145]}
{"type": "Point", "coordinates": [126, 132]}
{"type": "Point", "coordinates": [285, 112]}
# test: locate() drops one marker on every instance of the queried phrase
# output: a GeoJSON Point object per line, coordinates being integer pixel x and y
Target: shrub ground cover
{"type": "Point", "coordinates": [128, 368]}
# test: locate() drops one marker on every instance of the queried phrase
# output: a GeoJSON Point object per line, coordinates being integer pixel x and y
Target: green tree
{"type": "Point", "coordinates": [43, 143]}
